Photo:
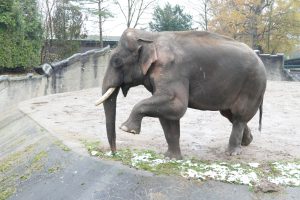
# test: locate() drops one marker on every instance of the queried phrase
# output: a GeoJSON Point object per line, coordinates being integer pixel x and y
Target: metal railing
{"type": "Point", "coordinates": [293, 64]}
{"type": "Point", "coordinates": [292, 67]}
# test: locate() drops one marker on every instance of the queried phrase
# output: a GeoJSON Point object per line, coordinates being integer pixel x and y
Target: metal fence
{"type": "Point", "coordinates": [293, 64]}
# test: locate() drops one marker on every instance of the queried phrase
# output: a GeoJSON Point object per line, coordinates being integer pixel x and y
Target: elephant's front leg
{"type": "Point", "coordinates": [172, 133]}
{"type": "Point", "coordinates": [167, 106]}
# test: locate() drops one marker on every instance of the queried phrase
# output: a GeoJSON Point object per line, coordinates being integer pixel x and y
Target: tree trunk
{"type": "Point", "coordinates": [100, 23]}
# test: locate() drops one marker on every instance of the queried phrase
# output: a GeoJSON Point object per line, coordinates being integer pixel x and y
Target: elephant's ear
{"type": "Point", "coordinates": [147, 55]}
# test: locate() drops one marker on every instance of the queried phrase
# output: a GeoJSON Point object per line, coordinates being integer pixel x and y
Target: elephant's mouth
{"type": "Point", "coordinates": [125, 89]}
{"type": "Point", "coordinates": [105, 96]}
{"type": "Point", "coordinates": [108, 93]}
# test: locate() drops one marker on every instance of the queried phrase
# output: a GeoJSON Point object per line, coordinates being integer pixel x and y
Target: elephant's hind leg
{"type": "Point", "coordinates": [247, 136]}
{"type": "Point", "coordinates": [172, 133]}
{"type": "Point", "coordinates": [235, 140]}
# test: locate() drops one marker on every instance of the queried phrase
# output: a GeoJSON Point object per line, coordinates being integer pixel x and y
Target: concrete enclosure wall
{"type": "Point", "coordinates": [78, 72]}
{"type": "Point", "coordinates": [75, 73]}
{"type": "Point", "coordinates": [274, 66]}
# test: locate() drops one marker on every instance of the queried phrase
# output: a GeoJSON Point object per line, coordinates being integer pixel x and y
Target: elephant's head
{"type": "Point", "coordinates": [128, 66]}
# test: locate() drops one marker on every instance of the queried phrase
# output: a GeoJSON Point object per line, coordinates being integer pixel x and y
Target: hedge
{"type": "Point", "coordinates": [19, 47]}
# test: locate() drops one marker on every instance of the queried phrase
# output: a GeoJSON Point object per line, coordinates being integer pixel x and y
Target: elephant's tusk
{"type": "Point", "coordinates": [105, 96]}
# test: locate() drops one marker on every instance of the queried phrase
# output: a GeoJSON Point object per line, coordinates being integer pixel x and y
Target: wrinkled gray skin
{"type": "Point", "coordinates": [192, 69]}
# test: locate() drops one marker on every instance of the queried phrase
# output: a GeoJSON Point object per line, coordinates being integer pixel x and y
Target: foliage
{"type": "Point", "coordinates": [20, 34]}
{"type": "Point", "coordinates": [100, 11]}
{"type": "Point", "coordinates": [268, 25]}
{"type": "Point", "coordinates": [66, 22]}
{"type": "Point", "coordinates": [104, 12]}
{"type": "Point", "coordinates": [7, 15]}
{"type": "Point", "coordinates": [170, 19]}
{"type": "Point", "coordinates": [65, 48]}
{"type": "Point", "coordinates": [284, 30]}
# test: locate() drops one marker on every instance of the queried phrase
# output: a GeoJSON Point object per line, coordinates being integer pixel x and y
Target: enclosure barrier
{"type": "Point", "coordinates": [274, 65]}
{"type": "Point", "coordinates": [293, 68]}
{"type": "Point", "coordinates": [80, 71]}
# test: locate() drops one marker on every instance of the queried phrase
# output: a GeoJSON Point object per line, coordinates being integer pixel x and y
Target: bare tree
{"type": "Point", "coordinates": [133, 10]}
{"type": "Point", "coordinates": [49, 10]}
{"type": "Point", "coordinates": [47, 7]}
{"type": "Point", "coordinates": [203, 10]}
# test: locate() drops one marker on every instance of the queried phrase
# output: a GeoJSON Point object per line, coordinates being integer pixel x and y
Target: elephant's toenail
{"type": "Point", "coordinates": [124, 128]}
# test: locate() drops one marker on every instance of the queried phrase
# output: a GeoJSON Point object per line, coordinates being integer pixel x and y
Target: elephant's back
{"type": "Point", "coordinates": [219, 74]}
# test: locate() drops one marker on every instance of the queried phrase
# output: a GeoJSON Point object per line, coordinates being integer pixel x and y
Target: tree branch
{"type": "Point", "coordinates": [120, 7]}
{"type": "Point", "coordinates": [142, 10]}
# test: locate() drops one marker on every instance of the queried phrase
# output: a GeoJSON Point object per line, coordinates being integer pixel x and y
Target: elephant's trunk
{"type": "Point", "coordinates": [110, 115]}
{"type": "Point", "coordinates": [110, 90]}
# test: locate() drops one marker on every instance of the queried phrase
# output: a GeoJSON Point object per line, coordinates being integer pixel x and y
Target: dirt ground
{"type": "Point", "coordinates": [72, 117]}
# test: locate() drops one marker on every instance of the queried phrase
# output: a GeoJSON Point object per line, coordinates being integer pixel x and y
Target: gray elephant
{"type": "Point", "coordinates": [199, 70]}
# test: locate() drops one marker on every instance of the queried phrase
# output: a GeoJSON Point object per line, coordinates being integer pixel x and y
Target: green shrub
{"type": "Point", "coordinates": [66, 48]}
{"type": "Point", "coordinates": [20, 34]}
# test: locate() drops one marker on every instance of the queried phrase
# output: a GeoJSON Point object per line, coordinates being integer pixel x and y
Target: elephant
{"type": "Point", "coordinates": [184, 69]}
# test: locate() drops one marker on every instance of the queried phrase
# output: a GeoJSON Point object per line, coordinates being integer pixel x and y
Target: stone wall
{"type": "Point", "coordinates": [80, 71]}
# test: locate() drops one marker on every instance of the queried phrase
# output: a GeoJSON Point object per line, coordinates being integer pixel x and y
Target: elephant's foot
{"type": "Point", "coordinates": [176, 155]}
{"type": "Point", "coordinates": [130, 127]}
{"type": "Point", "coordinates": [247, 137]}
{"type": "Point", "coordinates": [233, 151]}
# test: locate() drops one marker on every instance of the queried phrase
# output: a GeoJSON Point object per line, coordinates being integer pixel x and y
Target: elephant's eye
{"type": "Point", "coordinates": [117, 62]}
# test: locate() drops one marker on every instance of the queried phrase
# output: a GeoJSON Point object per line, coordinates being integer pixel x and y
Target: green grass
{"type": "Point", "coordinates": [6, 192]}
{"type": "Point", "coordinates": [7, 163]}
{"type": "Point", "coordinates": [53, 169]}
{"type": "Point", "coordinates": [62, 145]}
{"type": "Point", "coordinates": [24, 163]}
{"type": "Point", "coordinates": [25, 177]}
{"type": "Point", "coordinates": [91, 145]}
{"type": "Point", "coordinates": [7, 178]}
{"type": "Point", "coordinates": [37, 163]}
{"type": "Point", "coordinates": [230, 172]}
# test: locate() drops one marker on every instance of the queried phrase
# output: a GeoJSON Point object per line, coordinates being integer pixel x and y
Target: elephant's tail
{"type": "Point", "coordinates": [260, 114]}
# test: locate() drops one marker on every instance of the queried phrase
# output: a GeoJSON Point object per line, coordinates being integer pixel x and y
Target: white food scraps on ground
{"type": "Point", "coordinates": [289, 174]}
{"type": "Point", "coordinates": [283, 173]}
